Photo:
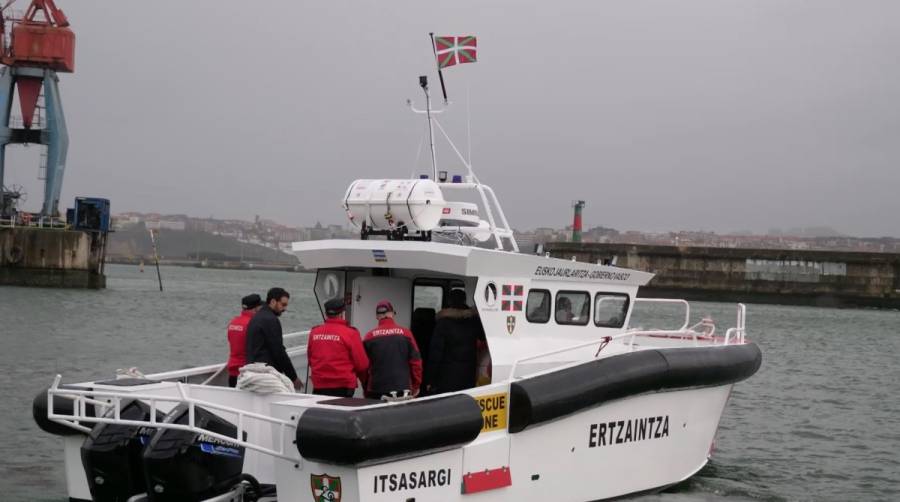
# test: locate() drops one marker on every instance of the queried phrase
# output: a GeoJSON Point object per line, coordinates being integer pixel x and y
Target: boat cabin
{"type": "Point", "coordinates": [527, 304]}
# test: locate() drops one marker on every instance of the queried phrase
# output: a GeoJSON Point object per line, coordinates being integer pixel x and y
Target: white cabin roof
{"type": "Point", "coordinates": [458, 260]}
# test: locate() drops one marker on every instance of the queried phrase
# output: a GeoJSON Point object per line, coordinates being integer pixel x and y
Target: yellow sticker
{"type": "Point", "coordinates": [493, 411]}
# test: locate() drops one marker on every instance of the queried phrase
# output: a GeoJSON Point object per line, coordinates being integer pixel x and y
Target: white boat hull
{"type": "Point", "coordinates": [626, 423]}
{"type": "Point", "coordinates": [564, 459]}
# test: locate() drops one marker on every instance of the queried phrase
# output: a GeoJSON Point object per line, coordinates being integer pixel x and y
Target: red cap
{"type": "Point", "coordinates": [384, 306]}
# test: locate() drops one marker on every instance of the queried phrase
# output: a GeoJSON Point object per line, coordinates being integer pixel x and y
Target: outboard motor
{"type": "Point", "coordinates": [111, 455]}
{"type": "Point", "coordinates": [182, 466]}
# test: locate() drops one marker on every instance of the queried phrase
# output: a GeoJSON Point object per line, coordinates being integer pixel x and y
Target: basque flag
{"type": "Point", "coordinates": [451, 51]}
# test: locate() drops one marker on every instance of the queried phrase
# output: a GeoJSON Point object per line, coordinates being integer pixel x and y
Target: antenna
{"type": "Point", "coordinates": [423, 83]}
{"type": "Point", "coordinates": [488, 198]}
{"type": "Point", "coordinates": [468, 126]}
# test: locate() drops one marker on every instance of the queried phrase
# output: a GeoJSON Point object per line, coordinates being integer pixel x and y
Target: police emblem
{"type": "Point", "coordinates": [510, 323]}
{"type": "Point", "coordinates": [325, 488]}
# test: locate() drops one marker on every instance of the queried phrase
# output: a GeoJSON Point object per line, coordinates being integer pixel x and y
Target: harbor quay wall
{"type": "Point", "coordinates": [44, 257]}
{"type": "Point", "coordinates": [796, 277]}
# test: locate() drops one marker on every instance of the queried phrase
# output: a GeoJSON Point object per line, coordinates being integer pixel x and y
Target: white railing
{"type": "Point", "coordinates": [740, 329]}
{"type": "Point", "coordinates": [732, 335]}
{"type": "Point", "coordinates": [215, 369]}
{"type": "Point", "coordinates": [687, 307]}
{"type": "Point", "coordinates": [82, 397]}
{"type": "Point", "coordinates": [601, 342]}
{"type": "Point", "coordinates": [38, 222]}
{"type": "Point", "coordinates": [295, 335]}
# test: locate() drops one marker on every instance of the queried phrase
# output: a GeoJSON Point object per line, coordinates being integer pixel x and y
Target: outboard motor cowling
{"type": "Point", "coordinates": [111, 455]}
{"type": "Point", "coordinates": [181, 466]}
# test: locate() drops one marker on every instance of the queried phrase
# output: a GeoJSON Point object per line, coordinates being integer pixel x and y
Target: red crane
{"type": "Point", "coordinates": [41, 39]}
{"type": "Point", "coordinates": [34, 48]}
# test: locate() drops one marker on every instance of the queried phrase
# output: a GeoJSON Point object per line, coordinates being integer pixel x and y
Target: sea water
{"type": "Point", "coordinates": [819, 421]}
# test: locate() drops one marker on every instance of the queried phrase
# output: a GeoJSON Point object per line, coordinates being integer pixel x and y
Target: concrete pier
{"type": "Point", "coordinates": [798, 277]}
{"type": "Point", "coordinates": [48, 257]}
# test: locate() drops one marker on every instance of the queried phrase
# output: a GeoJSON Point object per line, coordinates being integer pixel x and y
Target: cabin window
{"type": "Point", "coordinates": [427, 296]}
{"type": "Point", "coordinates": [573, 307]}
{"type": "Point", "coordinates": [537, 308]}
{"type": "Point", "coordinates": [610, 310]}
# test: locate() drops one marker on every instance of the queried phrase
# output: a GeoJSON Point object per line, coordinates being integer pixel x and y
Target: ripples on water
{"type": "Point", "coordinates": [819, 421]}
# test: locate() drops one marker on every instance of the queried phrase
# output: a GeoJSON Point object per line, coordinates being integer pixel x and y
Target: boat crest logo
{"type": "Point", "coordinates": [325, 488]}
{"type": "Point", "coordinates": [510, 323]}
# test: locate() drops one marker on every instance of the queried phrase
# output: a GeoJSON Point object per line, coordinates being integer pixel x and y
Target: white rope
{"type": "Point", "coordinates": [263, 379]}
{"type": "Point", "coordinates": [132, 372]}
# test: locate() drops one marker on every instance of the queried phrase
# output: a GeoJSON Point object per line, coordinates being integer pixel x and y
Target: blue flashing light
{"type": "Point", "coordinates": [457, 178]}
{"type": "Point", "coordinates": [423, 176]}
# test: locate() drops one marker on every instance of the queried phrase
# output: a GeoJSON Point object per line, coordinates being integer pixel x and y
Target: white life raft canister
{"type": "Point", "coordinates": [388, 204]}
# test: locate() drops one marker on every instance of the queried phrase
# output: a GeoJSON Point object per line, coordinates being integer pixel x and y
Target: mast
{"type": "Point", "coordinates": [499, 230]}
{"type": "Point", "coordinates": [423, 83]}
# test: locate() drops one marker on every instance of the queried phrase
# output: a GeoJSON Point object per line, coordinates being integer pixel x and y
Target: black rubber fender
{"type": "Point", "coordinates": [553, 395]}
{"type": "Point", "coordinates": [351, 436]}
{"type": "Point", "coordinates": [697, 366]}
{"type": "Point", "coordinates": [60, 405]}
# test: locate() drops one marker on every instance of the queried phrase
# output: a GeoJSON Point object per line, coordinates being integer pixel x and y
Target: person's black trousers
{"type": "Point", "coordinates": [336, 392]}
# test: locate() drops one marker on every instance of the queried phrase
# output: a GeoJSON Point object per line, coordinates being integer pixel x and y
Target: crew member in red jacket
{"type": "Point", "coordinates": [237, 336]}
{"type": "Point", "coordinates": [396, 364]}
{"type": "Point", "coordinates": [335, 354]}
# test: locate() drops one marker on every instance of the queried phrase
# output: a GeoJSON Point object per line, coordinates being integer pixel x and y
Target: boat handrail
{"type": "Point", "coordinates": [740, 329]}
{"type": "Point", "coordinates": [737, 333]}
{"type": "Point", "coordinates": [82, 397]}
{"type": "Point", "coordinates": [214, 368]}
{"type": "Point", "coordinates": [295, 334]}
{"type": "Point", "coordinates": [687, 306]}
{"type": "Point", "coordinates": [603, 340]}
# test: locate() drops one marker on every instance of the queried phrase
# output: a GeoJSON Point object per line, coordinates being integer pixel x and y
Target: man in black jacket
{"type": "Point", "coordinates": [453, 355]}
{"type": "Point", "coordinates": [265, 343]}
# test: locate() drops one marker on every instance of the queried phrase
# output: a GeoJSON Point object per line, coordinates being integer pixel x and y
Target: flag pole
{"type": "Point", "coordinates": [440, 75]}
{"type": "Point", "coordinates": [423, 83]}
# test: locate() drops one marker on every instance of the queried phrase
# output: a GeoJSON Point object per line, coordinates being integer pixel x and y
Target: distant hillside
{"type": "Point", "coordinates": [188, 244]}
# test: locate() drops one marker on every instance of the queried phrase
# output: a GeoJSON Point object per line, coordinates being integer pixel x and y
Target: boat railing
{"type": "Point", "coordinates": [740, 330]}
{"type": "Point", "coordinates": [296, 335]}
{"type": "Point", "coordinates": [213, 370]}
{"type": "Point", "coordinates": [110, 412]}
{"type": "Point", "coordinates": [600, 343]}
{"type": "Point", "coordinates": [687, 306]}
{"type": "Point", "coordinates": [701, 331]}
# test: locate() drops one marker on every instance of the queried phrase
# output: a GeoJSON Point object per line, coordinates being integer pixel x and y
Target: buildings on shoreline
{"type": "Point", "coordinates": [260, 231]}
{"type": "Point", "coordinates": [274, 235]}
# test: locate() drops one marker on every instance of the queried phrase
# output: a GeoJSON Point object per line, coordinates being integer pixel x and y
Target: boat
{"type": "Point", "coordinates": [574, 403]}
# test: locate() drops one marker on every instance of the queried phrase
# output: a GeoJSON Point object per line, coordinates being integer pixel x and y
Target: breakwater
{"type": "Point", "coordinates": [780, 276]}
{"type": "Point", "coordinates": [204, 263]}
{"type": "Point", "coordinates": [52, 257]}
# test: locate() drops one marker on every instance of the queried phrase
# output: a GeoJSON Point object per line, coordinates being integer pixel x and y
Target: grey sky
{"type": "Point", "coordinates": [663, 115]}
